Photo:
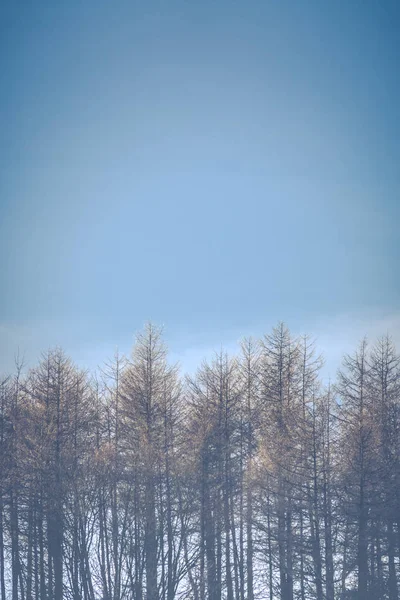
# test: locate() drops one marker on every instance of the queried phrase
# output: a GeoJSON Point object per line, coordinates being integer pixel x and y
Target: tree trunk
{"type": "Point", "coordinates": [150, 540]}
{"type": "Point", "coordinates": [392, 583]}
{"type": "Point", "coordinates": [362, 550]}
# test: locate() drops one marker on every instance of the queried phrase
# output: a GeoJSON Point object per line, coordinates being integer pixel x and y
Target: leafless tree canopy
{"type": "Point", "coordinates": [250, 480]}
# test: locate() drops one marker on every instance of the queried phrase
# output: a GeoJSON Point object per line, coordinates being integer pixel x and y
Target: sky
{"type": "Point", "coordinates": [214, 167]}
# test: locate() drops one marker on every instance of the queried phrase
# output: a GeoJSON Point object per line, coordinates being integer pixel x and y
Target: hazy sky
{"type": "Point", "coordinates": [211, 166]}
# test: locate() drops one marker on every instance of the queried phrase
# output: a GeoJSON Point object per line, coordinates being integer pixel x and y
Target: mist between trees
{"type": "Point", "coordinates": [249, 480]}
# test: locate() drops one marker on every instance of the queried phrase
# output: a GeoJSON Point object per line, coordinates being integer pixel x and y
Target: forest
{"type": "Point", "coordinates": [251, 479]}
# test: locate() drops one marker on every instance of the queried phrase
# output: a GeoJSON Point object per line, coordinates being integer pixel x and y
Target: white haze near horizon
{"type": "Point", "coordinates": [333, 336]}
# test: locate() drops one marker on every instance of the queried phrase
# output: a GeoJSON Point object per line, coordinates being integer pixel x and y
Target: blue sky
{"type": "Point", "coordinates": [211, 166]}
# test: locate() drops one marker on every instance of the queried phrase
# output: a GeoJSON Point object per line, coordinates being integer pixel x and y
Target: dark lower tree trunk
{"type": "Point", "coordinates": [218, 540]}
{"type": "Point", "coordinates": [330, 590]}
{"type": "Point", "coordinates": [170, 535]}
{"type": "Point", "coordinates": [50, 552]}
{"type": "Point", "coordinates": [289, 554]}
{"type": "Point", "coordinates": [269, 544]}
{"type": "Point", "coordinates": [202, 586]}
{"type": "Point", "coordinates": [35, 552]}
{"type": "Point", "coordinates": [162, 540]}
{"type": "Point", "coordinates": [301, 541]}
{"type": "Point", "coordinates": [58, 555]}
{"type": "Point", "coordinates": [14, 531]}
{"type": "Point", "coordinates": [2, 574]}
{"type": "Point", "coordinates": [344, 561]}
{"type": "Point", "coordinates": [316, 554]}
{"type": "Point", "coordinates": [102, 550]}
{"type": "Point", "coordinates": [114, 534]}
{"type": "Point", "coordinates": [42, 579]}
{"type": "Point", "coordinates": [193, 584]}
{"type": "Point", "coordinates": [281, 544]}
{"type": "Point", "coordinates": [150, 544]}
{"type": "Point", "coordinates": [379, 567]}
{"type": "Point", "coordinates": [137, 553]}
{"type": "Point", "coordinates": [209, 528]}
{"type": "Point", "coordinates": [86, 574]}
{"type": "Point", "coordinates": [392, 582]}
{"type": "Point", "coordinates": [227, 527]}
{"type": "Point", "coordinates": [29, 565]}
{"type": "Point", "coordinates": [249, 535]}
{"type": "Point", "coordinates": [75, 553]}
{"type": "Point", "coordinates": [327, 499]}
{"type": "Point", "coordinates": [362, 550]}
{"type": "Point", "coordinates": [237, 557]}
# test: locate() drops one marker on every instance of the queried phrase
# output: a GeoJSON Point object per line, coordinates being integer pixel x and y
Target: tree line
{"type": "Point", "coordinates": [249, 480]}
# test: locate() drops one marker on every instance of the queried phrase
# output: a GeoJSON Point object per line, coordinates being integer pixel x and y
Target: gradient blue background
{"type": "Point", "coordinates": [211, 166]}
